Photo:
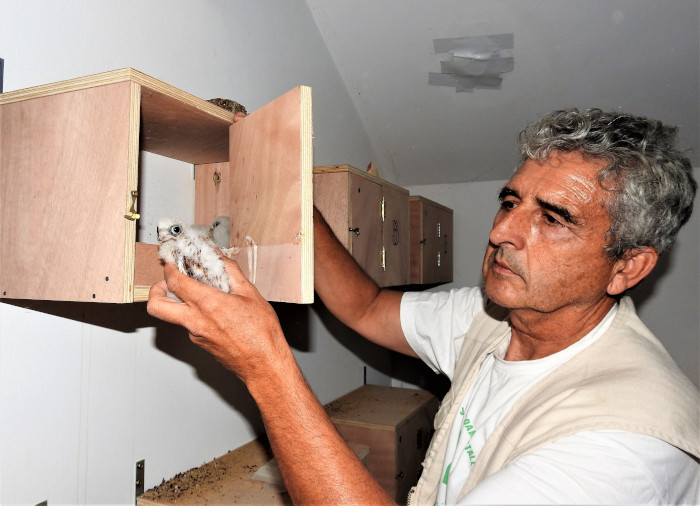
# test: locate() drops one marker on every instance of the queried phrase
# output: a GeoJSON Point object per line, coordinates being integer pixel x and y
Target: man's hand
{"type": "Point", "coordinates": [240, 329]}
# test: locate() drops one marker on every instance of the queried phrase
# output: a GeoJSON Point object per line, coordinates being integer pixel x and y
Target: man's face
{"type": "Point", "coordinates": [545, 249]}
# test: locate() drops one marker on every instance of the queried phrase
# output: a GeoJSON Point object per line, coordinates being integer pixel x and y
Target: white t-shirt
{"type": "Point", "coordinates": [604, 467]}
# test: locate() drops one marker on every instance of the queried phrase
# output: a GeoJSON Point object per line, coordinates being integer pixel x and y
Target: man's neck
{"type": "Point", "coordinates": [537, 335]}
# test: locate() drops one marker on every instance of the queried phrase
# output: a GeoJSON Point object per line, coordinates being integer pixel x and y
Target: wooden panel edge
{"type": "Point", "coordinates": [307, 198]}
{"type": "Point", "coordinates": [328, 169]}
{"type": "Point", "coordinates": [79, 83]}
{"type": "Point", "coordinates": [141, 293]}
{"type": "Point", "coordinates": [399, 189]}
{"type": "Point", "coordinates": [182, 96]}
{"type": "Point", "coordinates": [436, 204]}
{"type": "Point", "coordinates": [321, 169]}
{"type": "Point", "coordinates": [115, 76]}
{"type": "Point", "coordinates": [132, 171]}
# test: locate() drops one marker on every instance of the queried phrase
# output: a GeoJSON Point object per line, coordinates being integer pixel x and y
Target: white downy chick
{"type": "Point", "coordinates": [192, 252]}
{"type": "Point", "coordinates": [219, 231]}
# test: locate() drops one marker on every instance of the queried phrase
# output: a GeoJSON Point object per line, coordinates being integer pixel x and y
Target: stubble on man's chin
{"type": "Point", "coordinates": [503, 256]}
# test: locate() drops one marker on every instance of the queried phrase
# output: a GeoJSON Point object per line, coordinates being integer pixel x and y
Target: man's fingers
{"type": "Point", "coordinates": [186, 288]}
{"type": "Point", "coordinates": [190, 291]}
{"type": "Point", "coordinates": [171, 272]}
{"type": "Point", "coordinates": [159, 289]}
{"type": "Point", "coordinates": [164, 307]}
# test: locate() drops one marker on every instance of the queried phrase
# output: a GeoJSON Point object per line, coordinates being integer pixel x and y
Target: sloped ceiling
{"type": "Point", "coordinates": [639, 56]}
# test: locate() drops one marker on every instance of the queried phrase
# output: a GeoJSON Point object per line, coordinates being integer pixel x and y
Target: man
{"type": "Point", "coordinates": [559, 393]}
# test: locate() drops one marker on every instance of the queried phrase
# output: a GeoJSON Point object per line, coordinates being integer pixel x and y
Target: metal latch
{"type": "Point", "coordinates": [133, 215]}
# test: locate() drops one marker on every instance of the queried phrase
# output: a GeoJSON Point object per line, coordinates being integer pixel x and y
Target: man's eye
{"type": "Point", "coordinates": [507, 204]}
{"type": "Point", "coordinates": [552, 220]}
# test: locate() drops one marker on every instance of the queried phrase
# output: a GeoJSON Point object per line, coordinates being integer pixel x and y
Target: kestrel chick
{"type": "Point", "coordinates": [192, 252]}
{"type": "Point", "coordinates": [220, 231]}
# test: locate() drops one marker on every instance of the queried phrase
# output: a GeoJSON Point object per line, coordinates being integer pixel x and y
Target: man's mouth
{"type": "Point", "coordinates": [501, 266]}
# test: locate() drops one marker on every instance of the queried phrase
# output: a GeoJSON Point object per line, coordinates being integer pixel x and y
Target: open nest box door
{"type": "Point", "coordinates": [266, 189]}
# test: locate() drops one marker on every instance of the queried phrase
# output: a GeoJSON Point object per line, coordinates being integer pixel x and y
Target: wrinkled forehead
{"type": "Point", "coordinates": [565, 175]}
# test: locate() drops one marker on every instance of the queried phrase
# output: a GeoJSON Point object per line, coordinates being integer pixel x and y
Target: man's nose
{"type": "Point", "coordinates": [510, 227]}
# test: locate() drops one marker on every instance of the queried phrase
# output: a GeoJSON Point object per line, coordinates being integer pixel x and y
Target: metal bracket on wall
{"type": "Point", "coordinates": [140, 474]}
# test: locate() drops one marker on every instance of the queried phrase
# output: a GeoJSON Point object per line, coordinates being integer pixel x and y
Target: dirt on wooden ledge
{"type": "Point", "coordinates": [225, 480]}
{"type": "Point", "coordinates": [183, 487]}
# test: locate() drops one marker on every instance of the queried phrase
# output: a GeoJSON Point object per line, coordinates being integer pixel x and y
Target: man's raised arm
{"type": "Point", "coordinates": [351, 295]}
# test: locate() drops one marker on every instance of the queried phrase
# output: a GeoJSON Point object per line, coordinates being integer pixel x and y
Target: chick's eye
{"type": "Point", "coordinates": [175, 229]}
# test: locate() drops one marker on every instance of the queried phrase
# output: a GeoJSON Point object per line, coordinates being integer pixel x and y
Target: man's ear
{"type": "Point", "coordinates": [633, 267]}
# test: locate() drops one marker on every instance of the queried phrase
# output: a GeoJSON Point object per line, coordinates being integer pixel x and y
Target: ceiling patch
{"type": "Point", "coordinates": [473, 62]}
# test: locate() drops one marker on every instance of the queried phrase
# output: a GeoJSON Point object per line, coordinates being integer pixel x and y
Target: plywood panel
{"type": "Point", "coordinates": [378, 405]}
{"type": "Point", "coordinates": [176, 124]}
{"type": "Point", "coordinates": [212, 192]}
{"type": "Point", "coordinates": [271, 196]}
{"type": "Point", "coordinates": [67, 165]}
{"type": "Point", "coordinates": [365, 209]}
{"type": "Point", "coordinates": [446, 242]}
{"type": "Point", "coordinates": [331, 197]}
{"type": "Point", "coordinates": [177, 130]}
{"type": "Point", "coordinates": [431, 241]}
{"type": "Point", "coordinates": [416, 217]}
{"type": "Point", "coordinates": [412, 439]}
{"type": "Point", "coordinates": [396, 236]}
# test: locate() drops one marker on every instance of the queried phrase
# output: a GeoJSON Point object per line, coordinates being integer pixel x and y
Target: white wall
{"type": "Point", "coordinates": [668, 301]}
{"type": "Point", "coordinates": [86, 390]}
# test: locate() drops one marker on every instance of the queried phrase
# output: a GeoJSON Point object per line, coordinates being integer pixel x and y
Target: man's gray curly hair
{"type": "Point", "coordinates": [651, 181]}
